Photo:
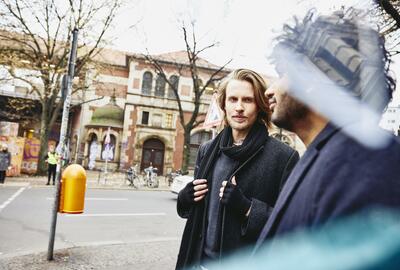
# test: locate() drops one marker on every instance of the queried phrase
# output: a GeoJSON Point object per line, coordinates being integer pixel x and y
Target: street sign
{"type": "Point", "coordinates": [214, 116]}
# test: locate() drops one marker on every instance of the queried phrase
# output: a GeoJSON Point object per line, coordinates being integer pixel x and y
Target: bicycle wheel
{"type": "Point", "coordinates": [136, 182]}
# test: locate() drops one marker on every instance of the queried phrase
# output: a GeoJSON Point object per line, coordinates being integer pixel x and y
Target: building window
{"type": "Point", "coordinates": [145, 118]}
{"type": "Point", "coordinates": [147, 83]}
{"type": "Point", "coordinates": [174, 80]}
{"type": "Point", "coordinates": [160, 86]}
{"type": "Point", "coordinates": [94, 148]}
{"type": "Point", "coordinates": [156, 120]}
{"type": "Point", "coordinates": [168, 120]}
{"type": "Point", "coordinates": [195, 141]}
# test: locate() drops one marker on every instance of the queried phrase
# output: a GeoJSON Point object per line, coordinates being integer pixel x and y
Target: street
{"type": "Point", "coordinates": [110, 217]}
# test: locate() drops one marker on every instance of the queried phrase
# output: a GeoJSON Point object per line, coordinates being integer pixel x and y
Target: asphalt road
{"type": "Point", "coordinates": [110, 217]}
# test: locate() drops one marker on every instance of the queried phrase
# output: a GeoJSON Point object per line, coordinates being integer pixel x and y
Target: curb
{"type": "Point", "coordinates": [34, 185]}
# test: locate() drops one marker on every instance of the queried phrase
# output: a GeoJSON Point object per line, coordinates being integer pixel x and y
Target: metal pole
{"type": "Point", "coordinates": [105, 170]}
{"type": "Point", "coordinates": [63, 135]}
{"type": "Point", "coordinates": [78, 141]}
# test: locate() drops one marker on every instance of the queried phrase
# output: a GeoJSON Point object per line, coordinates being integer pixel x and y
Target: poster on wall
{"type": "Point", "coordinates": [93, 152]}
{"type": "Point", "coordinates": [8, 129]}
{"type": "Point", "coordinates": [16, 149]}
{"type": "Point", "coordinates": [31, 156]}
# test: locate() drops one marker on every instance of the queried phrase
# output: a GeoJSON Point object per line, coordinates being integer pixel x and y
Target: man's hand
{"type": "Point", "coordinates": [200, 189]}
{"type": "Point", "coordinates": [232, 197]}
{"type": "Point", "coordinates": [194, 191]}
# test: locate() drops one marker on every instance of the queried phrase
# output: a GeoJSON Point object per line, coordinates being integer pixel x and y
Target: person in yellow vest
{"type": "Point", "coordinates": [52, 159]}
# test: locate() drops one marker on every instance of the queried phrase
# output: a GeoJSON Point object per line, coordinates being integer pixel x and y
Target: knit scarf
{"type": "Point", "coordinates": [256, 137]}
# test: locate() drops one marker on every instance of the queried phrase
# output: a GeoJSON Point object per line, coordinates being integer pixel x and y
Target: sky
{"type": "Point", "coordinates": [243, 29]}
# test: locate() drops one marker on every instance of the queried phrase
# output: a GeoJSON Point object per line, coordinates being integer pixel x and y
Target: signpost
{"type": "Point", "coordinates": [107, 153]}
{"type": "Point", "coordinates": [214, 116]}
{"type": "Point", "coordinates": [63, 134]}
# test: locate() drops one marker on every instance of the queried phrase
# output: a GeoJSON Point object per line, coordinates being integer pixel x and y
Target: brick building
{"type": "Point", "coordinates": [141, 111]}
{"type": "Point", "coordinates": [128, 98]}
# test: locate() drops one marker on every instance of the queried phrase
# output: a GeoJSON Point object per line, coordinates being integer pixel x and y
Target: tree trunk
{"type": "Point", "coordinates": [44, 136]}
{"type": "Point", "coordinates": [186, 150]}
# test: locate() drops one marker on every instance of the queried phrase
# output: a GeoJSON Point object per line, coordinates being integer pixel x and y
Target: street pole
{"type": "Point", "coordinates": [78, 141]}
{"type": "Point", "coordinates": [63, 135]}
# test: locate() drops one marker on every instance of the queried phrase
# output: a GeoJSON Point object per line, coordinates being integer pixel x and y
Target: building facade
{"type": "Point", "coordinates": [141, 112]}
{"type": "Point", "coordinates": [126, 100]}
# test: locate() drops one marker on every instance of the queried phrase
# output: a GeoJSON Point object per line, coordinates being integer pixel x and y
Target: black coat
{"type": "Point", "coordinates": [260, 180]}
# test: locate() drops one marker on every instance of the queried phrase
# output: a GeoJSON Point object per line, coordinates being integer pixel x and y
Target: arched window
{"type": "Point", "coordinates": [93, 151]}
{"type": "Point", "coordinates": [174, 80]}
{"type": "Point", "coordinates": [147, 83]}
{"type": "Point", "coordinates": [110, 150]}
{"type": "Point", "coordinates": [195, 141]}
{"type": "Point", "coordinates": [160, 86]}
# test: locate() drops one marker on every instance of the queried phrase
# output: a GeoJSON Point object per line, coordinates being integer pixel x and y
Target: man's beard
{"type": "Point", "coordinates": [290, 112]}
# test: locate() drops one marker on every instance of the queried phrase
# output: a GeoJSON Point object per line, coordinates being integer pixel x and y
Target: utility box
{"type": "Point", "coordinates": [73, 187]}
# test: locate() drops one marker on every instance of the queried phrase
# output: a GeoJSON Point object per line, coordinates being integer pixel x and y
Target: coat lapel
{"type": "Point", "coordinates": [295, 178]}
{"type": "Point", "coordinates": [288, 189]}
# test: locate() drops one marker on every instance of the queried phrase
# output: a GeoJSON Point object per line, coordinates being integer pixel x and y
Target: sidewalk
{"type": "Point", "coordinates": [151, 255]}
{"type": "Point", "coordinates": [95, 179]}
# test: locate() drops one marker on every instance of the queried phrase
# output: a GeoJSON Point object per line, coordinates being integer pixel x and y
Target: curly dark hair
{"type": "Point", "coordinates": [337, 46]}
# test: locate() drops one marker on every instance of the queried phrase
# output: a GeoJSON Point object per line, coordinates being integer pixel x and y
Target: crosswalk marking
{"type": "Point", "coordinates": [115, 215]}
{"type": "Point", "coordinates": [15, 195]}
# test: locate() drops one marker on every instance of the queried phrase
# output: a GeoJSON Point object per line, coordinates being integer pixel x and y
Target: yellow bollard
{"type": "Point", "coordinates": [73, 186]}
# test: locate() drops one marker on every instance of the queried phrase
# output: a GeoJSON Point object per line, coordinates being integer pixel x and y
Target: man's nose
{"type": "Point", "coordinates": [239, 106]}
{"type": "Point", "coordinates": [269, 93]}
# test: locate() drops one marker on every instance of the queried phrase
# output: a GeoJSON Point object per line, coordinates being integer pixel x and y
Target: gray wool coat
{"type": "Point", "coordinates": [5, 160]}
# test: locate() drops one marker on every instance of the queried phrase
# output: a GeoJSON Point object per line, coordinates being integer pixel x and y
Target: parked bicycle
{"type": "Point", "coordinates": [150, 177]}
{"type": "Point", "coordinates": [133, 177]}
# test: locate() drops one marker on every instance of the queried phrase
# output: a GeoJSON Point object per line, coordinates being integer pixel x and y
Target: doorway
{"type": "Point", "coordinates": [153, 153]}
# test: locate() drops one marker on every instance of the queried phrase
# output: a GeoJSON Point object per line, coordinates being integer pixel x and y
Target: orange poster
{"type": "Point", "coordinates": [31, 156]}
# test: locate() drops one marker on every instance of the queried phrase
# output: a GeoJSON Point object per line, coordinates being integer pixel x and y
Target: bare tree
{"type": "Point", "coordinates": [35, 44]}
{"type": "Point", "coordinates": [192, 64]}
{"type": "Point", "coordinates": [387, 13]}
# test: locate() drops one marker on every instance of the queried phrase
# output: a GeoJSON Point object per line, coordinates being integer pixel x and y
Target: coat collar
{"type": "Point", "coordinates": [294, 180]}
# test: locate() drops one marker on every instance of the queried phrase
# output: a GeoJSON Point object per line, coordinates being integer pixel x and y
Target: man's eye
{"type": "Point", "coordinates": [232, 99]}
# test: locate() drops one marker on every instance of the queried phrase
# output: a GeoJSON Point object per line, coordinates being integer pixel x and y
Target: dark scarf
{"type": "Point", "coordinates": [257, 136]}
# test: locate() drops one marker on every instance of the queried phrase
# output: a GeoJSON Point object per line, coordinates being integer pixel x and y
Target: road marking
{"type": "Point", "coordinates": [98, 199]}
{"type": "Point", "coordinates": [116, 215]}
{"type": "Point", "coordinates": [15, 195]}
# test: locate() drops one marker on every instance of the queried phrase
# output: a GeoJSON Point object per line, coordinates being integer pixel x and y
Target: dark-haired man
{"type": "Point", "coordinates": [343, 170]}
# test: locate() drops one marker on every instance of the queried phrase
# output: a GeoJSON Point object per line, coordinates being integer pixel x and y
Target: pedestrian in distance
{"type": "Point", "coordinates": [333, 70]}
{"type": "Point", "coordinates": [238, 176]}
{"type": "Point", "coordinates": [5, 161]}
{"type": "Point", "coordinates": [52, 160]}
